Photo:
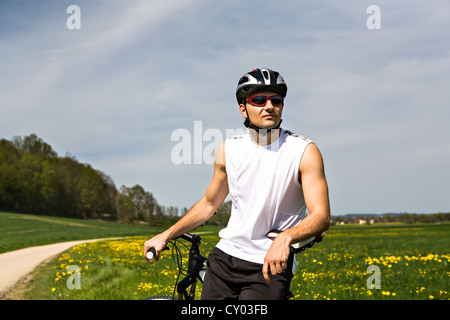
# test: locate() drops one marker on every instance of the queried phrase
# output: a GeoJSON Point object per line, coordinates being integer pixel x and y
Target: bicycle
{"type": "Point", "coordinates": [185, 289]}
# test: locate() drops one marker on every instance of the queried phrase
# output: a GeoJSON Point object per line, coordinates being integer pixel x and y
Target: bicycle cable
{"type": "Point", "coordinates": [177, 257]}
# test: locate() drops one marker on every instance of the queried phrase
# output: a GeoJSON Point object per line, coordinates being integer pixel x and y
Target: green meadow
{"type": "Point", "coordinates": [19, 231]}
{"type": "Point", "coordinates": [412, 261]}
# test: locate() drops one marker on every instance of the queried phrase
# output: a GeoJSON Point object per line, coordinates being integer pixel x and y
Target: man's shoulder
{"type": "Point", "coordinates": [296, 136]}
{"type": "Point", "coordinates": [238, 136]}
{"type": "Point", "coordinates": [237, 141]}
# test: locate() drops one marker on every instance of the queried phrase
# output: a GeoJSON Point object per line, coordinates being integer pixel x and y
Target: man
{"type": "Point", "coordinates": [272, 176]}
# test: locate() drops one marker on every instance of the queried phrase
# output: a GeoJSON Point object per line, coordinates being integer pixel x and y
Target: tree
{"type": "Point", "coordinates": [28, 183]}
{"type": "Point", "coordinates": [222, 215]}
{"type": "Point", "coordinates": [34, 145]}
{"type": "Point", "coordinates": [69, 172]}
{"type": "Point", "coordinates": [124, 207]}
{"type": "Point", "coordinates": [9, 157]}
{"type": "Point", "coordinates": [49, 188]}
{"type": "Point", "coordinates": [33, 179]}
{"type": "Point", "coordinates": [96, 195]}
{"type": "Point", "coordinates": [135, 204]}
{"type": "Point", "coordinates": [88, 188]}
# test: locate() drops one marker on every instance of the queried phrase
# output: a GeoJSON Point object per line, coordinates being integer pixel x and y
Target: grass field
{"type": "Point", "coordinates": [412, 259]}
{"type": "Point", "coordinates": [19, 231]}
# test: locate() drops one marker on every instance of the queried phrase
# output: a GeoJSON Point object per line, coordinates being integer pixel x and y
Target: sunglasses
{"type": "Point", "coordinates": [260, 101]}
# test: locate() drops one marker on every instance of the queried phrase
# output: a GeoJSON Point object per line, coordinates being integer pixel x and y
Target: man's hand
{"type": "Point", "coordinates": [277, 257]}
{"type": "Point", "coordinates": [158, 243]}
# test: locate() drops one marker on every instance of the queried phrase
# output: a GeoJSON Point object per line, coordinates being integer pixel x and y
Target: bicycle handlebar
{"type": "Point", "coordinates": [151, 253]}
{"type": "Point", "coordinates": [271, 234]}
{"type": "Point", "coordinates": [299, 246]}
{"type": "Point", "coordinates": [193, 238]}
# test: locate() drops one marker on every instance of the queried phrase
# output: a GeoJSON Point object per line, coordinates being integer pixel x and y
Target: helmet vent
{"type": "Point", "coordinates": [243, 80]}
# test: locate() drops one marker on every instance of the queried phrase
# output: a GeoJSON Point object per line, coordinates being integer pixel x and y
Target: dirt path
{"type": "Point", "coordinates": [16, 265]}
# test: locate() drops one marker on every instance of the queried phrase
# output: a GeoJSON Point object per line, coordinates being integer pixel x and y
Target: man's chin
{"type": "Point", "coordinates": [269, 124]}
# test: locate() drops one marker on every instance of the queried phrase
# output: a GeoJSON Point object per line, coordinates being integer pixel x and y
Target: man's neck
{"type": "Point", "coordinates": [265, 137]}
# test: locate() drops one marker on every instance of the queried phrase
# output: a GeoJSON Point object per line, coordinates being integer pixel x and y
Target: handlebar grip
{"type": "Point", "coordinates": [151, 253]}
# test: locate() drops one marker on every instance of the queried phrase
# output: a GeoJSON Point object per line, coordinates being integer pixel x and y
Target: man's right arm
{"type": "Point", "coordinates": [201, 211]}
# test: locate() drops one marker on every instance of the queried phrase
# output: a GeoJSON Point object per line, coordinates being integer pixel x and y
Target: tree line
{"type": "Point", "coordinates": [407, 218]}
{"type": "Point", "coordinates": [410, 218]}
{"type": "Point", "coordinates": [34, 179]}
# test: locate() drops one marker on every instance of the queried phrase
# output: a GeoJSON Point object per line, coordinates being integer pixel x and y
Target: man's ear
{"type": "Point", "coordinates": [243, 111]}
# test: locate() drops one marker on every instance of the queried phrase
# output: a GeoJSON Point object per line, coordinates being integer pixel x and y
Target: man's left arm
{"type": "Point", "coordinates": [315, 191]}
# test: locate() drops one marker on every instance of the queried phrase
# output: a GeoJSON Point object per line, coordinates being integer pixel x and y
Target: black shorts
{"type": "Point", "coordinates": [228, 277]}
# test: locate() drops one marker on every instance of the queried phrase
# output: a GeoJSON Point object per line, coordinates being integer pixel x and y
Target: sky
{"type": "Point", "coordinates": [125, 84]}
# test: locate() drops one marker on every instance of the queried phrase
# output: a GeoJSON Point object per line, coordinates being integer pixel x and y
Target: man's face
{"type": "Point", "coordinates": [265, 117]}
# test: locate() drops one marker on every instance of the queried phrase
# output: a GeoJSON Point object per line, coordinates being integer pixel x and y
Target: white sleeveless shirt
{"type": "Point", "coordinates": [265, 193]}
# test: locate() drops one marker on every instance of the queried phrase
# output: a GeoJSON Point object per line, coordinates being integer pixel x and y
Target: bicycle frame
{"type": "Point", "coordinates": [196, 269]}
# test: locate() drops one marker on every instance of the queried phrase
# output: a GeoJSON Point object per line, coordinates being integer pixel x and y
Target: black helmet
{"type": "Point", "coordinates": [260, 80]}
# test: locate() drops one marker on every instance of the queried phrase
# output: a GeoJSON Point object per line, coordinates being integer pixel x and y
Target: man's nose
{"type": "Point", "coordinates": [269, 105]}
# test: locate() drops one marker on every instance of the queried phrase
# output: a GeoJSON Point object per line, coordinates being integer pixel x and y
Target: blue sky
{"type": "Point", "coordinates": [376, 102]}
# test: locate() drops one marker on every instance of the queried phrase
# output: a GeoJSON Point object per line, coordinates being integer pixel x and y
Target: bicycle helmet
{"type": "Point", "coordinates": [259, 80]}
